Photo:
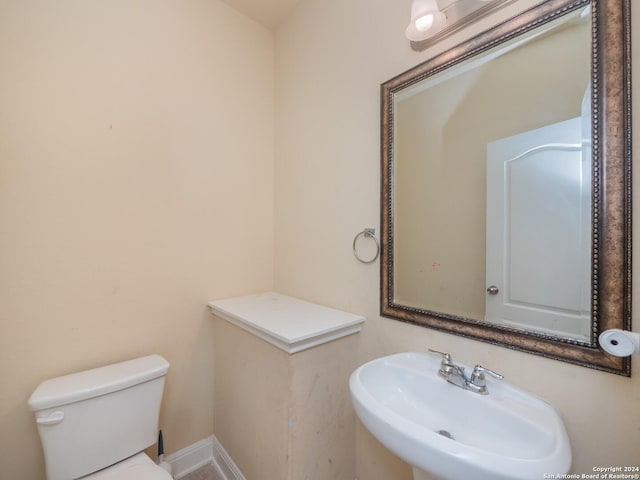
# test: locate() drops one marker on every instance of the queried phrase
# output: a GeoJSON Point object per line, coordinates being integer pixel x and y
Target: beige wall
{"type": "Point", "coordinates": [331, 58]}
{"type": "Point", "coordinates": [136, 184]}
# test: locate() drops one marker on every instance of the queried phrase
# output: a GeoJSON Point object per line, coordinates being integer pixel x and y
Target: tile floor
{"type": "Point", "coordinates": [206, 472]}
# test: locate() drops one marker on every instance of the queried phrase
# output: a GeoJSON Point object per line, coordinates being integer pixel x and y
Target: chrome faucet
{"type": "Point", "coordinates": [454, 374]}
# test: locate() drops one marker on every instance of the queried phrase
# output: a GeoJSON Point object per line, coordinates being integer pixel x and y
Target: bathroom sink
{"type": "Point", "coordinates": [455, 434]}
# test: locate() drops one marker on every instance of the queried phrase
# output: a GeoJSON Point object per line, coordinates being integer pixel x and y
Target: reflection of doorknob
{"type": "Point", "coordinates": [492, 290]}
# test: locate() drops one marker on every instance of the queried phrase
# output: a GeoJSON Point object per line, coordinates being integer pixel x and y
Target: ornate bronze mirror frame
{"type": "Point", "coordinates": [611, 186]}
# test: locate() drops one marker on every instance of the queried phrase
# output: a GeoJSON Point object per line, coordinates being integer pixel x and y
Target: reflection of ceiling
{"type": "Point", "coordinates": [269, 13]}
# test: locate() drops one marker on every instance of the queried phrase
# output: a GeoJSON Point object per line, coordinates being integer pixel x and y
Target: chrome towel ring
{"type": "Point", "coordinates": [371, 233]}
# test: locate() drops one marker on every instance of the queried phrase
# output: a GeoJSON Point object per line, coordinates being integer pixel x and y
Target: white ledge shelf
{"type": "Point", "coordinates": [288, 323]}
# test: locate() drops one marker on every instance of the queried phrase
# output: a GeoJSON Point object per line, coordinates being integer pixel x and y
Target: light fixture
{"type": "Point", "coordinates": [426, 20]}
{"type": "Point", "coordinates": [429, 24]}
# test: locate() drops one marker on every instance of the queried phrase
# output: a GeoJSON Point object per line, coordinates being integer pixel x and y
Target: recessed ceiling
{"type": "Point", "coordinates": [266, 12]}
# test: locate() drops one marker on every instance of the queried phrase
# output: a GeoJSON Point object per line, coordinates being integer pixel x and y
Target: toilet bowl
{"type": "Point", "coordinates": [138, 467]}
{"type": "Point", "coordinates": [95, 424]}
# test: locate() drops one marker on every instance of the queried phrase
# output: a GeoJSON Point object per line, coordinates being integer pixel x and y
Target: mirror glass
{"type": "Point", "coordinates": [506, 188]}
{"type": "Point", "coordinates": [492, 171]}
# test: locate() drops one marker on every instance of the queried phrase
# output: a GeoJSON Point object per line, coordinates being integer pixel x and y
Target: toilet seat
{"type": "Point", "coordinates": [138, 467]}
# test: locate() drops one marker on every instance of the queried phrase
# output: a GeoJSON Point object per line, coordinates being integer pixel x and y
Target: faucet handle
{"type": "Point", "coordinates": [477, 375]}
{"type": "Point", "coordinates": [447, 367]}
{"type": "Point", "coordinates": [445, 356]}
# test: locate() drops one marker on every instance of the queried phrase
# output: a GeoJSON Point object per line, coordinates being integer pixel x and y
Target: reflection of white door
{"type": "Point", "coordinates": [538, 224]}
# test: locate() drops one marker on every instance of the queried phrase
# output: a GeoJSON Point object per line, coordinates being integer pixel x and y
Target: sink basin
{"type": "Point", "coordinates": [455, 434]}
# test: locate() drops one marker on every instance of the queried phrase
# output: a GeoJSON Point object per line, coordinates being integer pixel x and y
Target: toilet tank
{"type": "Point", "coordinates": [92, 419]}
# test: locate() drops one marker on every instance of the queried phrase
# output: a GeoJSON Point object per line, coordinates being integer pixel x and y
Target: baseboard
{"type": "Point", "coordinates": [191, 458]}
{"type": "Point", "coordinates": [199, 454]}
{"type": "Point", "coordinates": [223, 463]}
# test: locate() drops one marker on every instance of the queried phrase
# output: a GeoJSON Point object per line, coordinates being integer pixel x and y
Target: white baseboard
{"type": "Point", "coordinates": [223, 463]}
{"type": "Point", "coordinates": [199, 454]}
{"type": "Point", "coordinates": [191, 458]}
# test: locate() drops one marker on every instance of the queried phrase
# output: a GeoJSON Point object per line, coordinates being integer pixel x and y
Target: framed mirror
{"type": "Point", "coordinates": [506, 185]}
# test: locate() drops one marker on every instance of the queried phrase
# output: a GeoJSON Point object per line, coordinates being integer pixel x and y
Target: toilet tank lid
{"type": "Point", "coordinates": [98, 381]}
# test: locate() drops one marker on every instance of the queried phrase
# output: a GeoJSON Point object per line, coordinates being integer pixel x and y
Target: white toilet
{"type": "Point", "coordinates": [95, 424]}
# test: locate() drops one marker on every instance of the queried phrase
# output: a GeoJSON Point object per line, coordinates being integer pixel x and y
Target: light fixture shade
{"type": "Point", "coordinates": [426, 20]}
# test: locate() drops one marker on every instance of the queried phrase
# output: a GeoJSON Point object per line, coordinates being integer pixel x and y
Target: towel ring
{"type": "Point", "coordinates": [371, 233]}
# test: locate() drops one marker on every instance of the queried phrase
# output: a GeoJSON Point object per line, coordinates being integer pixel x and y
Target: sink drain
{"type": "Point", "coordinates": [444, 433]}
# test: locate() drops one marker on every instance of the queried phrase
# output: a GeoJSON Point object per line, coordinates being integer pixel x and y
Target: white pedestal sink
{"type": "Point", "coordinates": [446, 432]}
